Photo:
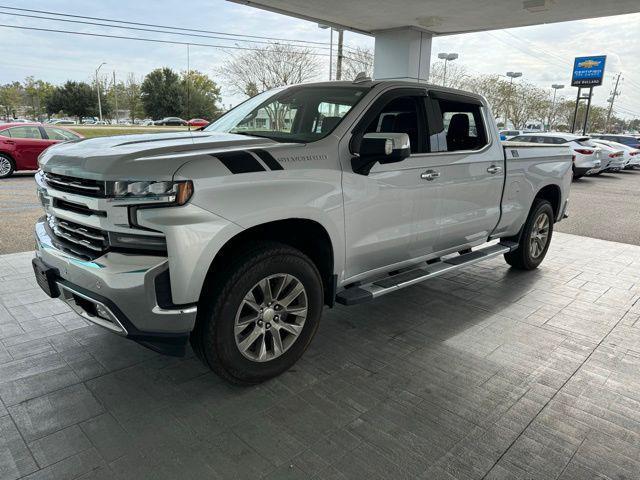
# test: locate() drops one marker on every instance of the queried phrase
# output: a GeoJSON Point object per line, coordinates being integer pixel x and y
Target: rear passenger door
{"type": "Point", "coordinates": [470, 167]}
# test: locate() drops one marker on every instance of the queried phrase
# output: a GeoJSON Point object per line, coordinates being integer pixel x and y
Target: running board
{"type": "Point", "coordinates": [369, 291]}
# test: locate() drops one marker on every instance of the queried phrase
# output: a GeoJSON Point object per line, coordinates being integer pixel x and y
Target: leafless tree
{"type": "Point", "coordinates": [456, 74]}
{"type": "Point", "coordinates": [355, 61]}
{"type": "Point", "coordinates": [268, 67]}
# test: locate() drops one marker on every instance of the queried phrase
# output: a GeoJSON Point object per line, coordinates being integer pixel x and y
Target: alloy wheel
{"type": "Point", "coordinates": [539, 235]}
{"type": "Point", "coordinates": [271, 317]}
{"type": "Point", "coordinates": [5, 166]}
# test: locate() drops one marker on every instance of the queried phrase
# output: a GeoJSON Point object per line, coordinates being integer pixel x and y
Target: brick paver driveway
{"type": "Point", "coordinates": [488, 373]}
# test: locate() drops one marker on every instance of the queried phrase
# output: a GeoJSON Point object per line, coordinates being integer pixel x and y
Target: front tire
{"type": "Point", "coordinates": [7, 167]}
{"type": "Point", "coordinates": [258, 320]}
{"type": "Point", "coordinates": [535, 239]}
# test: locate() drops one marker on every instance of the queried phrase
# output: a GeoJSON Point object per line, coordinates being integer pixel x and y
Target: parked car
{"type": "Point", "coordinates": [631, 155]}
{"type": "Point", "coordinates": [338, 204]}
{"type": "Point", "coordinates": [20, 145]}
{"type": "Point", "coordinates": [147, 122]}
{"type": "Point", "coordinates": [616, 156]}
{"type": "Point", "coordinates": [628, 140]}
{"type": "Point", "coordinates": [171, 122]}
{"type": "Point", "coordinates": [20, 120]}
{"type": "Point", "coordinates": [63, 121]}
{"type": "Point", "coordinates": [198, 122]}
{"type": "Point", "coordinates": [509, 134]}
{"type": "Point", "coordinates": [587, 157]}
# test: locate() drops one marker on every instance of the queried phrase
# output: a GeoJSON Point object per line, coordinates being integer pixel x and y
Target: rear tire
{"type": "Point", "coordinates": [535, 239]}
{"type": "Point", "coordinates": [246, 331]}
{"type": "Point", "coordinates": [7, 166]}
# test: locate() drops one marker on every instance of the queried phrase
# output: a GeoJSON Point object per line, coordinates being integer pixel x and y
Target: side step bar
{"type": "Point", "coordinates": [369, 291]}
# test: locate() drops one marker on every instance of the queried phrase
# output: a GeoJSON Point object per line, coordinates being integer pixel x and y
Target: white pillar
{"type": "Point", "coordinates": [402, 53]}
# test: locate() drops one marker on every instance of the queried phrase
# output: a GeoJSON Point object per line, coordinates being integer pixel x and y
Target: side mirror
{"type": "Point", "coordinates": [381, 148]}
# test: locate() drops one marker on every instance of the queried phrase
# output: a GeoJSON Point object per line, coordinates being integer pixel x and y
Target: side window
{"type": "Point", "coordinates": [5, 133]}
{"type": "Point", "coordinates": [401, 115]}
{"type": "Point", "coordinates": [59, 134]}
{"type": "Point", "coordinates": [25, 132]}
{"type": "Point", "coordinates": [463, 125]}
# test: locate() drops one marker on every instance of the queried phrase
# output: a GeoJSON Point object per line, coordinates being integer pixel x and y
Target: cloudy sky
{"type": "Point", "coordinates": [543, 53]}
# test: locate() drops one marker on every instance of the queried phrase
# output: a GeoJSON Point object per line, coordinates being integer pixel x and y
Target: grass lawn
{"type": "Point", "coordinates": [100, 131]}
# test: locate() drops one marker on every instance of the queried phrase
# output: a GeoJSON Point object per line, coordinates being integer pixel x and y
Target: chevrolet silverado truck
{"type": "Point", "coordinates": [235, 238]}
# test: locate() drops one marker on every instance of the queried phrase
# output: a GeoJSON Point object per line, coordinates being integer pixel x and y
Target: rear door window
{"type": "Point", "coordinates": [462, 122]}
{"type": "Point", "coordinates": [27, 131]}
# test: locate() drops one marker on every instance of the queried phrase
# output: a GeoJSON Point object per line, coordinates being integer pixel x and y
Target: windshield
{"type": "Point", "coordinates": [294, 114]}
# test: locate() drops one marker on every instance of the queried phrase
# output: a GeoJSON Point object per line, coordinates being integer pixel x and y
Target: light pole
{"type": "Point", "coordinates": [98, 88]}
{"type": "Point", "coordinates": [324, 27]}
{"type": "Point", "coordinates": [511, 75]}
{"type": "Point", "coordinates": [556, 87]}
{"type": "Point", "coordinates": [447, 57]}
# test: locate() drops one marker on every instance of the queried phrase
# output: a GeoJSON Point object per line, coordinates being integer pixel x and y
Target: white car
{"type": "Point", "coordinates": [587, 156]}
{"type": "Point", "coordinates": [631, 155]}
{"type": "Point", "coordinates": [509, 134]}
{"type": "Point", "coordinates": [614, 154]}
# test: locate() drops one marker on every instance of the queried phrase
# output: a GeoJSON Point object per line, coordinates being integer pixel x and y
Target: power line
{"type": "Point", "coordinates": [168, 27]}
{"type": "Point", "coordinates": [149, 29]}
{"type": "Point", "coordinates": [141, 39]}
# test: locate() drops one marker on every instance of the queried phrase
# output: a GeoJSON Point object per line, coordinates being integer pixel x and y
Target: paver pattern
{"type": "Point", "coordinates": [487, 373]}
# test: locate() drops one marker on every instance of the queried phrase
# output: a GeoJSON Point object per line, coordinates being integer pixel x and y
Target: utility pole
{"type": "Point", "coordinates": [511, 75]}
{"type": "Point", "coordinates": [98, 89]}
{"type": "Point", "coordinates": [339, 59]}
{"type": "Point", "coordinates": [115, 94]}
{"type": "Point", "coordinates": [447, 57]}
{"type": "Point", "coordinates": [552, 114]}
{"type": "Point", "coordinates": [612, 99]}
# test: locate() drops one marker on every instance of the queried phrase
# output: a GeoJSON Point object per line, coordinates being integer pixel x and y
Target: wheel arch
{"type": "Point", "coordinates": [306, 235]}
{"type": "Point", "coordinates": [553, 195]}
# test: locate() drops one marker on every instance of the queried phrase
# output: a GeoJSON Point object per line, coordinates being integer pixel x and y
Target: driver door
{"type": "Point", "coordinates": [382, 207]}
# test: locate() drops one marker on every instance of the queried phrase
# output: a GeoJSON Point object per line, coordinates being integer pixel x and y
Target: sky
{"type": "Point", "coordinates": [544, 53]}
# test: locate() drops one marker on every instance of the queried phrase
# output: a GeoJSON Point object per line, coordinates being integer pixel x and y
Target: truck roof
{"type": "Point", "coordinates": [370, 83]}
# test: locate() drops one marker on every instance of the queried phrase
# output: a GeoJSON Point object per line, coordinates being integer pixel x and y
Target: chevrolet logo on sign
{"type": "Point", "coordinates": [589, 64]}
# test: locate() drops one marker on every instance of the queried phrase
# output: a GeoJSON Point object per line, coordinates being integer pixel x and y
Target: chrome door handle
{"type": "Point", "coordinates": [430, 175]}
{"type": "Point", "coordinates": [493, 169]}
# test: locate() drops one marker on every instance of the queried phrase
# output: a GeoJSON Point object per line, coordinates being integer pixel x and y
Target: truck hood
{"type": "Point", "coordinates": [154, 156]}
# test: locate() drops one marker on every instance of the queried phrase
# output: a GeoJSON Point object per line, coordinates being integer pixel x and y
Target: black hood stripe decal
{"type": "Point", "coordinates": [239, 162]}
{"type": "Point", "coordinates": [268, 159]}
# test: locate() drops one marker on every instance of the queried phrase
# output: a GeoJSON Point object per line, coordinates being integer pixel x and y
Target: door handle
{"type": "Point", "coordinates": [9, 142]}
{"type": "Point", "coordinates": [430, 175]}
{"type": "Point", "coordinates": [493, 169]}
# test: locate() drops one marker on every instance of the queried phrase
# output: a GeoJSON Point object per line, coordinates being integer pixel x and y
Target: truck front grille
{"type": "Point", "coordinates": [86, 242]}
{"type": "Point", "coordinates": [81, 186]}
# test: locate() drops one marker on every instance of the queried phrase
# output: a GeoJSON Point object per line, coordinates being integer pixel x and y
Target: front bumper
{"type": "Point", "coordinates": [126, 294]}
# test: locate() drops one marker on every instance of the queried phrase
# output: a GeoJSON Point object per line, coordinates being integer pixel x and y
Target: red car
{"type": "Point", "coordinates": [198, 122]}
{"type": "Point", "coordinates": [21, 143]}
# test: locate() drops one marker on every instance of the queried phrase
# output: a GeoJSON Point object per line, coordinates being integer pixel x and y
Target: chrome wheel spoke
{"type": "Point", "coordinates": [282, 282]}
{"type": "Point", "coordinates": [245, 344]}
{"type": "Point", "coordinates": [262, 349]}
{"type": "Point", "coordinates": [278, 349]}
{"type": "Point", "coordinates": [292, 295]}
{"type": "Point", "coordinates": [297, 311]}
{"type": "Point", "coordinates": [292, 328]}
{"type": "Point", "coordinates": [265, 288]}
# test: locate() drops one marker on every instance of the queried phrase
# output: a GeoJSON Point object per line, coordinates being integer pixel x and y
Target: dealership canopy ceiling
{"type": "Point", "coordinates": [440, 17]}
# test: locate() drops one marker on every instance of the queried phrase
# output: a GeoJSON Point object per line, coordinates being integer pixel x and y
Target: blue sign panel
{"type": "Point", "coordinates": [588, 71]}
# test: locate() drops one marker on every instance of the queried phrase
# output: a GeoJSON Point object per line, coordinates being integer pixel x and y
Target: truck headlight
{"type": "Point", "coordinates": [169, 192]}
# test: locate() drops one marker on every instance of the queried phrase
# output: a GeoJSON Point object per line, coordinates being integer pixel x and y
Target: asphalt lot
{"type": "Point", "coordinates": [605, 207]}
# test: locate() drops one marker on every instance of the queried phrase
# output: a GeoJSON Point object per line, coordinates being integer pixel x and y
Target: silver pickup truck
{"type": "Point", "coordinates": [235, 237]}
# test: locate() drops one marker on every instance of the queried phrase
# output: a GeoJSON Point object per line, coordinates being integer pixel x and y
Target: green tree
{"type": "Point", "coordinates": [36, 94]}
{"type": "Point", "coordinates": [202, 95]}
{"type": "Point", "coordinates": [73, 98]}
{"type": "Point", "coordinates": [131, 97]}
{"type": "Point", "coordinates": [10, 98]}
{"type": "Point", "coordinates": [161, 93]}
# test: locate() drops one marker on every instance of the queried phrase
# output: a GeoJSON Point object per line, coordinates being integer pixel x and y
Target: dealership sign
{"type": "Point", "coordinates": [588, 71]}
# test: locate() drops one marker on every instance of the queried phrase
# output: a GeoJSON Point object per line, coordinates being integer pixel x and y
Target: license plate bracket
{"type": "Point", "coordinates": [46, 277]}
